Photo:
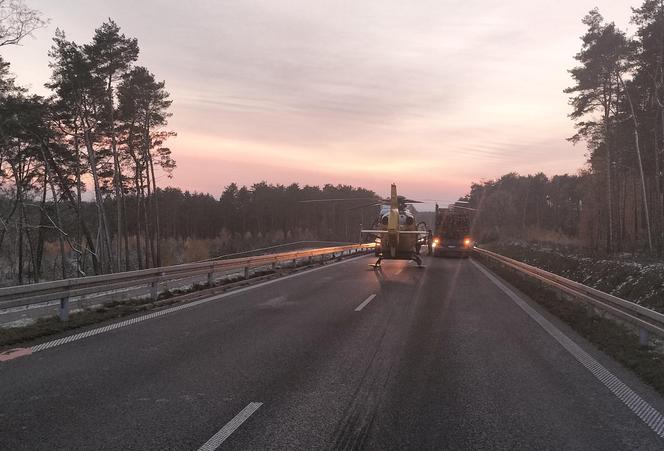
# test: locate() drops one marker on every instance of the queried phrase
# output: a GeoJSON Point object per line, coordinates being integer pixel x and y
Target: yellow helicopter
{"type": "Point", "coordinates": [396, 234]}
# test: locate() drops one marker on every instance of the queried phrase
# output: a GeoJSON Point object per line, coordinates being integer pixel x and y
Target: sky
{"type": "Point", "coordinates": [430, 94]}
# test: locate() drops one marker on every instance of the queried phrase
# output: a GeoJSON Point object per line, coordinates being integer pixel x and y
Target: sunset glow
{"type": "Point", "coordinates": [433, 96]}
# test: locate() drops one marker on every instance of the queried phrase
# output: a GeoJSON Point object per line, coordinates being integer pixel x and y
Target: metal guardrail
{"type": "Point", "coordinates": [63, 290]}
{"type": "Point", "coordinates": [646, 320]}
{"type": "Point", "coordinates": [273, 249]}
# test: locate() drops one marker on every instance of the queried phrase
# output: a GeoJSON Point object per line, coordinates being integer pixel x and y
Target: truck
{"type": "Point", "coordinates": [452, 231]}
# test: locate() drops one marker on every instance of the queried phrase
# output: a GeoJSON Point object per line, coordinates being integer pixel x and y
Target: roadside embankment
{"type": "Point", "coordinates": [639, 282]}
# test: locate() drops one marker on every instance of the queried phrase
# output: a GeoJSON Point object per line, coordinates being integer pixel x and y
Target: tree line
{"type": "Point", "coordinates": [284, 212]}
{"type": "Point", "coordinates": [616, 204]}
{"type": "Point", "coordinates": [101, 129]}
{"type": "Point", "coordinates": [566, 209]}
{"type": "Point", "coordinates": [79, 170]}
{"type": "Point", "coordinates": [531, 207]}
{"type": "Point", "coordinates": [617, 102]}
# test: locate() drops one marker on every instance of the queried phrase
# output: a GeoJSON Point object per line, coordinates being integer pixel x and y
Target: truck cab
{"type": "Point", "coordinates": [452, 233]}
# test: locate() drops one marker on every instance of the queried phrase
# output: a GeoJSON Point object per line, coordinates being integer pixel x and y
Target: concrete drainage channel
{"type": "Point", "coordinates": [92, 316]}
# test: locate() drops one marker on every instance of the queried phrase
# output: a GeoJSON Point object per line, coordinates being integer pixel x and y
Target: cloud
{"type": "Point", "coordinates": [433, 94]}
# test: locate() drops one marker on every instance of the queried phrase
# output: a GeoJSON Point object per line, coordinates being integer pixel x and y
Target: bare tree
{"type": "Point", "coordinates": [17, 21]}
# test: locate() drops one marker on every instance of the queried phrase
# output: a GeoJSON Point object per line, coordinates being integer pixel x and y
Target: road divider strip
{"type": "Point", "coordinates": [641, 408]}
{"type": "Point", "coordinates": [217, 439]}
{"type": "Point", "coordinates": [364, 303]}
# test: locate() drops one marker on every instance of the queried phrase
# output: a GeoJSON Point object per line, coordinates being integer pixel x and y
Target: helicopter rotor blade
{"type": "Point", "coordinates": [375, 204]}
{"type": "Point", "coordinates": [341, 199]}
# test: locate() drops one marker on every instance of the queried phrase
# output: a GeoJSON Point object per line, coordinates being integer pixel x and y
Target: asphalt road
{"type": "Point", "coordinates": [439, 358]}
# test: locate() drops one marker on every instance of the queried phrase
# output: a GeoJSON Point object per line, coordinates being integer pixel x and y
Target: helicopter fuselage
{"type": "Point", "coordinates": [397, 236]}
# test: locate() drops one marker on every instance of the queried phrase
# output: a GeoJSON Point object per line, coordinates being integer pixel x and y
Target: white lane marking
{"type": "Point", "coordinates": [139, 319]}
{"type": "Point", "coordinates": [274, 302]}
{"type": "Point", "coordinates": [398, 272]}
{"type": "Point", "coordinates": [365, 302]}
{"type": "Point", "coordinates": [648, 414]}
{"type": "Point", "coordinates": [217, 439]}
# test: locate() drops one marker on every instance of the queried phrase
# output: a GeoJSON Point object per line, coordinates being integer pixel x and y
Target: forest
{"type": "Point", "coordinates": [102, 130]}
{"type": "Point", "coordinates": [616, 203]}
{"type": "Point", "coordinates": [79, 172]}
{"type": "Point", "coordinates": [80, 167]}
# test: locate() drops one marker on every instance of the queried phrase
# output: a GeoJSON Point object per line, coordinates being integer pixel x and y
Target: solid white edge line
{"type": "Point", "coordinates": [158, 313]}
{"type": "Point", "coordinates": [217, 439]}
{"type": "Point", "coordinates": [642, 409]}
{"type": "Point", "coordinates": [365, 302]}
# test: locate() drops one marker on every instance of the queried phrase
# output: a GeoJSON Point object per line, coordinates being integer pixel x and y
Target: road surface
{"type": "Point", "coordinates": [342, 357]}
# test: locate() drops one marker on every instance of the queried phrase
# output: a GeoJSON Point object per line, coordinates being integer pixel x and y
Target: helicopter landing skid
{"type": "Point", "coordinates": [377, 264]}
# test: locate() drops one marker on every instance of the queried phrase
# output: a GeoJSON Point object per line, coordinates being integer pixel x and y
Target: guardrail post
{"type": "Point", "coordinates": [246, 272]}
{"type": "Point", "coordinates": [154, 290]}
{"type": "Point", "coordinates": [210, 278]}
{"type": "Point", "coordinates": [63, 312]}
{"type": "Point", "coordinates": [274, 266]}
{"type": "Point", "coordinates": [310, 260]}
{"type": "Point", "coordinates": [644, 337]}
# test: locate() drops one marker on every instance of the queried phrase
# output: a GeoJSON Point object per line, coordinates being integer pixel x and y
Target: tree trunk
{"type": "Point", "coordinates": [638, 157]}
{"type": "Point", "coordinates": [40, 232]}
{"type": "Point", "coordinates": [609, 185]}
{"type": "Point", "coordinates": [76, 204]}
{"type": "Point", "coordinates": [148, 213]}
{"type": "Point", "coordinates": [139, 190]}
{"type": "Point", "coordinates": [101, 214]}
{"type": "Point", "coordinates": [156, 212]}
{"type": "Point", "coordinates": [80, 263]}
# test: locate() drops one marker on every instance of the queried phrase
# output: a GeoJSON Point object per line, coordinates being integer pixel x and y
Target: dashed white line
{"type": "Point", "coordinates": [217, 439]}
{"type": "Point", "coordinates": [648, 414]}
{"type": "Point", "coordinates": [365, 302]}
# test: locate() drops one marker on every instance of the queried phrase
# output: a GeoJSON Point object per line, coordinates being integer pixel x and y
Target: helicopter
{"type": "Point", "coordinates": [396, 234]}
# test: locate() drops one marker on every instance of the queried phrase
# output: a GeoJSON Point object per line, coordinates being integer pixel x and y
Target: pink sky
{"type": "Point", "coordinates": [431, 94]}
